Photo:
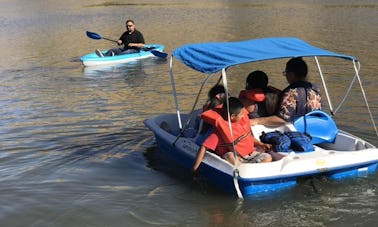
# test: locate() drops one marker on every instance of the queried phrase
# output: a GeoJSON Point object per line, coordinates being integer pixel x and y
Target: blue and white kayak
{"type": "Point", "coordinates": [93, 60]}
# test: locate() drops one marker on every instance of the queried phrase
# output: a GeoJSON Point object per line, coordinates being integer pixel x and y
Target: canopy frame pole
{"type": "Point", "coordinates": [356, 69]}
{"type": "Point", "coordinates": [235, 170]}
{"type": "Point", "coordinates": [193, 108]}
{"type": "Point", "coordinates": [347, 93]}
{"type": "Point", "coordinates": [324, 86]}
{"type": "Point", "coordinates": [201, 121]}
{"type": "Point", "coordinates": [357, 66]}
{"type": "Point", "coordinates": [174, 92]}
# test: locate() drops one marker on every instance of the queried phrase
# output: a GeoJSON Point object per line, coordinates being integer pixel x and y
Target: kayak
{"type": "Point", "coordinates": [149, 50]}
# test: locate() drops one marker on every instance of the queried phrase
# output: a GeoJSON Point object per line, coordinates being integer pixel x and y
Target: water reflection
{"type": "Point", "coordinates": [139, 68]}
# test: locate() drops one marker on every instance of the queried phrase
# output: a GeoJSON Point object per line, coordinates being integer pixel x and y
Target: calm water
{"type": "Point", "coordinates": [73, 147]}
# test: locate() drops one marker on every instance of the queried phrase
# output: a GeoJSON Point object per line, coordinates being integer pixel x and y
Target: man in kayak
{"type": "Point", "coordinates": [132, 41]}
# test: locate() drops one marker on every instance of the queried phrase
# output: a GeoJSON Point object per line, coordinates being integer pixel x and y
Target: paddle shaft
{"type": "Point", "coordinates": [110, 40]}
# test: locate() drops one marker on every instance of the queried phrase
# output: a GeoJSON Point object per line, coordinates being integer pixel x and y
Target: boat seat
{"type": "Point", "coordinates": [189, 133]}
{"type": "Point", "coordinates": [319, 125]}
{"type": "Point", "coordinates": [165, 126]}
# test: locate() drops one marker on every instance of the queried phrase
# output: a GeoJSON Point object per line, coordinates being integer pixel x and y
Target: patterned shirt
{"type": "Point", "coordinates": [298, 99]}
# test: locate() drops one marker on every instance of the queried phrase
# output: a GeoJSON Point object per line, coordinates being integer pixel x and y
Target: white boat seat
{"type": "Point", "coordinates": [319, 125]}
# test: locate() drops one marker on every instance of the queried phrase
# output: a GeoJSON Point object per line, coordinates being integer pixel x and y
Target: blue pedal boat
{"type": "Point", "coordinates": [338, 154]}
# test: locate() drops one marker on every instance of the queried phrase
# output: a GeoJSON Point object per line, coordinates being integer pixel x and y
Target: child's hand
{"type": "Point", "coordinates": [253, 121]}
{"type": "Point", "coordinates": [266, 147]}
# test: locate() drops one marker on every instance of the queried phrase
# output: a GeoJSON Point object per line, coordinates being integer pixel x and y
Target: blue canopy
{"type": "Point", "coordinates": [213, 57]}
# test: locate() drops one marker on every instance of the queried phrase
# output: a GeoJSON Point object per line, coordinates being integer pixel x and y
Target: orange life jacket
{"type": "Point", "coordinates": [241, 131]}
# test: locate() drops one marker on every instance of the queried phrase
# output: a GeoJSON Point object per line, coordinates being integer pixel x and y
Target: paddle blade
{"type": "Point", "coordinates": [93, 35]}
{"type": "Point", "coordinates": [159, 54]}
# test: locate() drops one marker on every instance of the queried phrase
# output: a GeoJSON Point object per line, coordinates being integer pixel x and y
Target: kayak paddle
{"type": "Point", "coordinates": [159, 54]}
{"type": "Point", "coordinates": [93, 35]}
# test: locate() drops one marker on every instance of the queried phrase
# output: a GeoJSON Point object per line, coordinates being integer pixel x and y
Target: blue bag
{"type": "Point", "coordinates": [300, 141]}
{"type": "Point", "coordinates": [279, 141]}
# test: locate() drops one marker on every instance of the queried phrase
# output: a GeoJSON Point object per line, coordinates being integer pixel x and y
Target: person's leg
{"type": "Point", "coordinates": [257, 157]}
{"type": "Point", "coordinates": [129, 51]}
{"type": "Point", "coordinates": [99, 53]}
{"type": "Point", "coordinates": [267, 157]}
{"type": "Point", "coordinates": [229, 156]}
{"type": "Point", "coordinates": [276, 156]}
{"type": "Point", "coordinates": [114, 51]}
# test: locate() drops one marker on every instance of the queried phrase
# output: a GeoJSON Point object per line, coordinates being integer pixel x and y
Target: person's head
{"type": "Point", "coordinates": [216, 95]}
{"type": "Point", "coordinates": [256, 79]}
{"type": "Point", "coordinates": [216, 90]}
{"type": "Point", "coordinates": [130, 25]}
{"type": "Point", "coordinates": [296, 70]}
{"type": "Point", "coordinates": [250, 97]}
{"type": "Point", "coordinates": [235, 108]}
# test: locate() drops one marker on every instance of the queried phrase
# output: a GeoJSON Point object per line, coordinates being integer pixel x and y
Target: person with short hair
{"type": "Point", "coordinates": [297, 99]}
{"type": "Point", "coordinates": [258, 81]}
{"type": "Point", "coordinates": [132, 41]}
{"type": "Point", "coordinates": [250, 100]}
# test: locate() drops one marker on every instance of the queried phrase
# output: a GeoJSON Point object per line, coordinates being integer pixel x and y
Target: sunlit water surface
{"type": "Point", "coordinates": [73, 147]}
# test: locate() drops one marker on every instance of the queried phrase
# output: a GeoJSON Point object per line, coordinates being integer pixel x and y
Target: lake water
{"type": "Point", "coordinates": [73, 147]}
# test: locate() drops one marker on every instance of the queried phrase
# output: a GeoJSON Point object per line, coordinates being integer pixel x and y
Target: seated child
{"type": "Point", "coordinates": [258, 81]}
{"type": "Point", "coordinates": [216, 97]}
{"type": "Point", "coordinates": [223, 141]}
{"type": "Point", "coordinates": [249, 98]}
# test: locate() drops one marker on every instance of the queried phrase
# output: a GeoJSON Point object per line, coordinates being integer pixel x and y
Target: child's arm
{"type": "Point", "coordinates": [264, 146]}
{"type": "Point", "coordinates": [267, 121]}
{"type": "Point", "coordinates": [210, 143]}
{"type": "Point", "coordinates": [201, 152]}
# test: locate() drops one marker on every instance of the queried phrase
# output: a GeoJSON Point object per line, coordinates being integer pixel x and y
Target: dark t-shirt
{"type": "Point", "coordinates": [135, 37]}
